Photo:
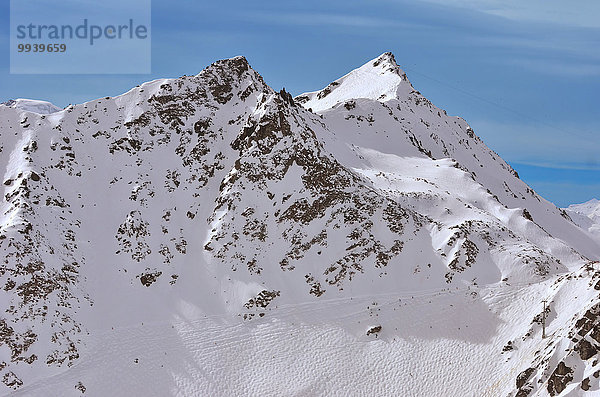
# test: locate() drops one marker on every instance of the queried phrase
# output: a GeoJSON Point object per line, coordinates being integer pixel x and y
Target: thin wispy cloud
{"type": "Point", "coordinates": [325, 19]}
{"type": "Point", "coordinates": [558, 68]}
{"type": "Point", "coordinates": [582, 13]}
{"type": "Point", "coordinates": [542, 43]}
{"type": "Point", "coordinates": [561, 166]}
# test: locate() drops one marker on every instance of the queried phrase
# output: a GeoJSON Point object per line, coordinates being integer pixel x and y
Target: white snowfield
{"type": "Point", "coordinates": [209, 236]}
{"type": "Point", "coordinates": [30, 105]}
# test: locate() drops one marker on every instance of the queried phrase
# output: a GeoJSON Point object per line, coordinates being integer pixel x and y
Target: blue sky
{"type": "Point", "coordinates": [525, 75]}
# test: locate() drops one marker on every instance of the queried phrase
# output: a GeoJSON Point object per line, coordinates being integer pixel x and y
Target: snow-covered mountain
{"type": "Point", "coordinates": [208, 235]}
{"type": "Point", "coordinates": [590, 209]}
{"type": "Point", "coordinates": [587, 216]}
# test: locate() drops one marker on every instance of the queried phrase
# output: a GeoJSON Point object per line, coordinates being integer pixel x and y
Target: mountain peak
{"type": "Point", "coordinates": [237, 62]}
{"type": "Point", "coordinates": [229, 78]}
{"type": "Point", "coordinates": [230, 67]}
{"type": "Point", "coordinates": [380, 79]}
{"type": "Point", "coordinates": [386, 60]}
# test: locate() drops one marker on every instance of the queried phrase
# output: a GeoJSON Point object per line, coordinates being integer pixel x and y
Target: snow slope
{"type": "Point", "coordinates": [208, 235]}
{"type": "Point", "coordinates": [34, 106]}
{"type": "Point", "coordinates": [379, 80]}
